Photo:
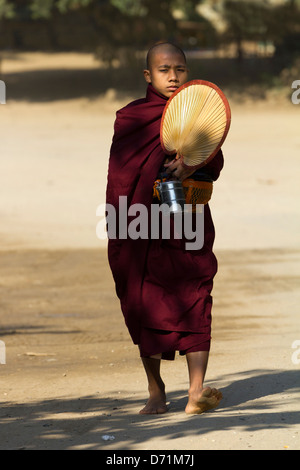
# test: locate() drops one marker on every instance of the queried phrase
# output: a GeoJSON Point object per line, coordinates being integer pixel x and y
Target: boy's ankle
{"type": "Point", "coordinates": [157, 389]}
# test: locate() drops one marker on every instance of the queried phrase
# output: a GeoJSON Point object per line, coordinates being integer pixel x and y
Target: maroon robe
{"type": "Point", "coordinates": [164, 289]}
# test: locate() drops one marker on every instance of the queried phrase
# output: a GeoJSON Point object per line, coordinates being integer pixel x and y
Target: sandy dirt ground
{"type": "Point", "coordinates": [72, 374]}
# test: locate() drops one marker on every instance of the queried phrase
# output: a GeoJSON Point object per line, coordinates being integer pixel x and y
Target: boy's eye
{"type": "Point", "coordinates": [180, 69]}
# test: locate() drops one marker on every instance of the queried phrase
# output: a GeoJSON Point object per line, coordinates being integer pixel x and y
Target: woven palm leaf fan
{"type": "Point", "coordinates": [195, 123]}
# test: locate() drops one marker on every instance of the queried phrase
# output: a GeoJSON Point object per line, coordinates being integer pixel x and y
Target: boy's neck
{"type": "Point", "coordinates": [152, 93]}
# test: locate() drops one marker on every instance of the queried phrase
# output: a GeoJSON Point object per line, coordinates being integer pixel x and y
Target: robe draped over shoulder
{"type": "Point", "coordinates": [162, 286]}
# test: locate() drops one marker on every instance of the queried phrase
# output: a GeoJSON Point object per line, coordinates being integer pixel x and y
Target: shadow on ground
{"type": "Point", "coordinates": [252, 401]}
{"type": "Point", "coordinates": [249, 79]}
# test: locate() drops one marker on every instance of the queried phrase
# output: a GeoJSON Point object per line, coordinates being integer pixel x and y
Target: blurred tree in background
{"type": "Point", "coordinates": [104, 24]}
{"type": "Point", "coordinates": [246, 21]}
{"type": "Point", "coordinates": [262, 22]}
{"type": "Point", "coordinates": [110, 25]}
{"type": "Point", "coordinates": [120, 31]}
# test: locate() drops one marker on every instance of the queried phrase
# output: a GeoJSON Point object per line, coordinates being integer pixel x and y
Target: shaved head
{"type": "Point", "coordinates": [165, 48]}
{"type": "Point", "coordinates": [166, 68]}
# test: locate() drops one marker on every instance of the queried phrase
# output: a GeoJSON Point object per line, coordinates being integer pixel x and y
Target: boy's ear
{"type": "Point", "coordinates": [147, 76]}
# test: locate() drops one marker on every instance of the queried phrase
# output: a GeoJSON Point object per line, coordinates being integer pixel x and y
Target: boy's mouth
{"type": "Point", "coordinates": [172, 88]}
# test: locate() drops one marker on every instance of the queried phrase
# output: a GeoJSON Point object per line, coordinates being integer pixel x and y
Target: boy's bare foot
{"type": "Point", "coordinates": [207, 399]}
{"type": "Point", "coordinates": [155, 405]}
{"type": "Point", "coordinates": [156, 387]}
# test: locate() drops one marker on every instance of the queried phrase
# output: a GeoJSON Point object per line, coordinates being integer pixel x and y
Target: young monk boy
{"type": "Point", "coordinates": [164, 289]}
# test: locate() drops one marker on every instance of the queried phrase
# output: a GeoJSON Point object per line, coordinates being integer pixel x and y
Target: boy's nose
{"type": "Point", "coordinates": [173, 75]}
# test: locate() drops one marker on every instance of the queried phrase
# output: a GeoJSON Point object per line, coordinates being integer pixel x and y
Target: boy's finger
{"type": "Point", "coordinates": [169, 163]}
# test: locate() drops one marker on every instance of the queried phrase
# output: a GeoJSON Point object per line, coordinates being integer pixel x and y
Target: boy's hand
{"type": "Point", "coordinates": [175, 168]}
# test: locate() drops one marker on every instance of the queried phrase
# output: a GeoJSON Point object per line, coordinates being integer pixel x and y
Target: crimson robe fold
{"type": "Point", "coordinates": [164, 289]}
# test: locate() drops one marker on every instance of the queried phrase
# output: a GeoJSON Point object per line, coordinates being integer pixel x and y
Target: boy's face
{"type": "Point", "coordinates": [167, 72]}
